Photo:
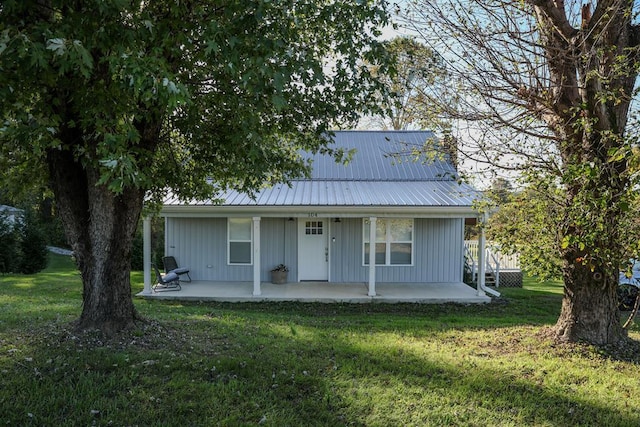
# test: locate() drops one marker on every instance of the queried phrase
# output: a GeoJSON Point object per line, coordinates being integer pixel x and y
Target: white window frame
{"type": "Point", "coordinates": [229, 241]}
{"type": "Point", "coordinates": [387, 242]}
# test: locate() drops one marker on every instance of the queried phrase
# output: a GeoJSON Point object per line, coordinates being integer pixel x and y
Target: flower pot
{"type": "Point", "coordinates": [279, 277]}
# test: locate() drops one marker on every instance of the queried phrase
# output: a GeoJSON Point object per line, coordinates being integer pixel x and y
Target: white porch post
{"type": "Point", "coordinates": [482, 263]}
{"type": "Point", "coordinates": [146, 254]}
{"type": "Point", "coordinates": [256, 256]}
{"type": "Point", "coordinates": [372, 256]}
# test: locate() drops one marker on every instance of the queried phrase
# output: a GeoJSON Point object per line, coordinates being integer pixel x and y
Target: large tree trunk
{"type": "Point", "coordinates": [100, 226]}
{"type": "Point", "coordinates": [592, 76]}
{"type": "Point", "coordinates": [590, 306]}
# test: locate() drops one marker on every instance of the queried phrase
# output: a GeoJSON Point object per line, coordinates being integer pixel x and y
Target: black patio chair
{"type": "Point", "coordinates": [167, 282]}
{"type": "Point", "coordinates": [171, 266]}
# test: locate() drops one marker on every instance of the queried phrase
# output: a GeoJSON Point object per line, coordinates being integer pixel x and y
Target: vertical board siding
{"type": "Point", "coordinates": [201, 245]}
{"type": "Point", "coordinates": [346, 252]}
{"type": "Point", "coordinates": [438, 253]}
{"type": "Point", "coordinates": [443, 248]}
{"type": "Point", "coordinates": [279, 246]}
{"type": "Point", "coordinates": [291, 248]}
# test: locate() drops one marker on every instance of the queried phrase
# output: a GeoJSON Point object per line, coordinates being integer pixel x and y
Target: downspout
{"type": "Point", "coordinates": [482, 261]}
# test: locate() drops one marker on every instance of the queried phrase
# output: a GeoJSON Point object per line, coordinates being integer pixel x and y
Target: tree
{"type": "Point", "coordinates": [419, 76]}
{"type": "Point", "coordinates": [548, 86]}
{"type": "Point", "coordinates": [521, 224]}
{"type": "Point", "coordinates": [116, 101]}
{"type": "Point", "coordinates": [501, 190]}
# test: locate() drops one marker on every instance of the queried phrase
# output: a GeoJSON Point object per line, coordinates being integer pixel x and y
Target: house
{"type": "Point", "coordinates": [322, 228]}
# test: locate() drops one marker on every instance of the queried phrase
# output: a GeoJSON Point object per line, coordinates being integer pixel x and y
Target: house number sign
{"type": "Point", "coordinates": [312, 215]}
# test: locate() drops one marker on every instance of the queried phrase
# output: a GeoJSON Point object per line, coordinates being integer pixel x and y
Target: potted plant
{"type": "Point", "coordinates": [279, 274]}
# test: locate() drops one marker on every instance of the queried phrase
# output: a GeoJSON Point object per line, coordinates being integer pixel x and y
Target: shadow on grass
{"type": "Point", "coordinates": [291, 364]}
{"type": "Point", "coordinates": [400, 384]}
{"type": "Point", "coordinates": [231, 369]}
{"type": "Point", "coordinates": [477, 395]}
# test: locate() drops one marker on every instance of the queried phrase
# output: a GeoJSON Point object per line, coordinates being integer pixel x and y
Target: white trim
{"type": "Point", "coordinates": [372, 259]}
{"type": "Point", "coordinates": [388, 243]}
{"type": "Point", "coordinates": [166, 234]}
{"type": "Point", "coordinates": [251, 243]}
{"type": "Point", "coordinates": [482, 290]}
{"type": "Point", "coordinates": [256, 255]}
{"type": "Point", "coordinates": [318, 211]}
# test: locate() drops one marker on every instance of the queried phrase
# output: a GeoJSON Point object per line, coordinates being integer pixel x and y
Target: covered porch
{"type": "Point", "coordinates": [323, 292]}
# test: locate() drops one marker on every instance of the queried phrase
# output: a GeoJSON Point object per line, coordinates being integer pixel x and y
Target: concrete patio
{"type": "Point", "coordinates": [424, 293]}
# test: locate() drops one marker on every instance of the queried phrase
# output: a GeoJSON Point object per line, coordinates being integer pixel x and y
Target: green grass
{"type": "Point", "coordinates": [287, 364]}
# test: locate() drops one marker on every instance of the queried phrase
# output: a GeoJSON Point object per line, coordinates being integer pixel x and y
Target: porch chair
{"type": "Point", "coordinates": [168, 282]}
{"type": "Point", "coordinates": [171, 266]}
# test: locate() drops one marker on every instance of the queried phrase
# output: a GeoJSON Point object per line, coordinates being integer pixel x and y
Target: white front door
{"type": "Point", "coordinates": [313, 249]}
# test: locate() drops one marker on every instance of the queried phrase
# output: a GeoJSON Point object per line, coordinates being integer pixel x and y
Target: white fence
{"type": "Point", "coordinates": [506, 262]}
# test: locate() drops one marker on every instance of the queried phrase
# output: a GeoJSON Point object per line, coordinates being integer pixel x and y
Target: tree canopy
{"type": "Point", "coordinates": [419, 75]}
{"type": "Point", "coordinates": [107, 103]}
{"type": "Point", "coordinates": [547, 88]}
{"type": "Point", "coordinates": [229, 84]}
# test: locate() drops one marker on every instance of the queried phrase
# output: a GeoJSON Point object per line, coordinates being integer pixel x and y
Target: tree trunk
{"type": "Point", "coordinates": [589, 307]}
{"type": "Point", "coordinates": [100, 226]}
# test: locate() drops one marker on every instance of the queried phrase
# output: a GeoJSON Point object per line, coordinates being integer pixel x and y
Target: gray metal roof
{"type": "Point", "coordinates": [351, 193]}
{"type": "Point", "coordinates": [374, 177]}
{"type": "Point", "coordinates": [381, 156]}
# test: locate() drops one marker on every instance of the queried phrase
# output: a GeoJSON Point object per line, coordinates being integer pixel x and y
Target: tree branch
{"type": "Point", "coordinates": [554, 10]}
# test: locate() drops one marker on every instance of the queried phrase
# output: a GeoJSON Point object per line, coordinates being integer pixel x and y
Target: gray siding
{"type": "Point", "coordinates": [201, 245]}
{"type": "Point", "coordinates": [279, 246]}
{"type": "Point", "coordinates": [438, 253]}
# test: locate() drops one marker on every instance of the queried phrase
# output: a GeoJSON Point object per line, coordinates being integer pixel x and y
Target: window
{"type": "Point", "coordinates": [240, 238]}
{"type": "Point", "coordinates": [394, 241]}
{"type": "Point", "coordinates": [313, 227]}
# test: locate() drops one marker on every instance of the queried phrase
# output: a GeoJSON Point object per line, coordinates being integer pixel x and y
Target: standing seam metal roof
{"type": "Point", "coordinates": [381, 156]}
{"type": "Point", "coordinates": [372, 178]}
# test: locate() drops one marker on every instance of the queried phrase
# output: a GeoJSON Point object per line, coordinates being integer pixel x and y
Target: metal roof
{"type": "Point", "coordinates": [382, 156]}
{"type": "Point", "coordinates": [374, 177]}
{"type": "Point", "coordinates": [350, 193]}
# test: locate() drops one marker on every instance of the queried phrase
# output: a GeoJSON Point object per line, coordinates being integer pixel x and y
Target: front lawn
{"type": "Point", "coordinates": [288, 364]}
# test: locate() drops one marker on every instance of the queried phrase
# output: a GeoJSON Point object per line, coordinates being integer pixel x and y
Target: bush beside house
{"type": "Point", "coordinates": [24, 247]}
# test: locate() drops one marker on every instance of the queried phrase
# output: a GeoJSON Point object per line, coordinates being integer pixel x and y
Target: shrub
{"type": "Point", "coordinates": [23, 248]}
{"type": "Point", "coordinates": [9, 253]}
{"type": "Point", "coordinates": [33, 245]}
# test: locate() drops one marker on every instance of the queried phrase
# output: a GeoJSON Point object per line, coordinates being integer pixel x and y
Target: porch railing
{"type": "Point", "coordinates": [495, 261]}
{"type": "Point", "coordinates": [507, 262]}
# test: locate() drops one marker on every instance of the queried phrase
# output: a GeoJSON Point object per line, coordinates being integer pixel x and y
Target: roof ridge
{"type": "Point", "coordinates": [383, 131]}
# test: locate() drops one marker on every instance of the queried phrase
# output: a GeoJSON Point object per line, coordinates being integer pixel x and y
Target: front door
{"type": "Point", "coordinates": [313, 249]}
